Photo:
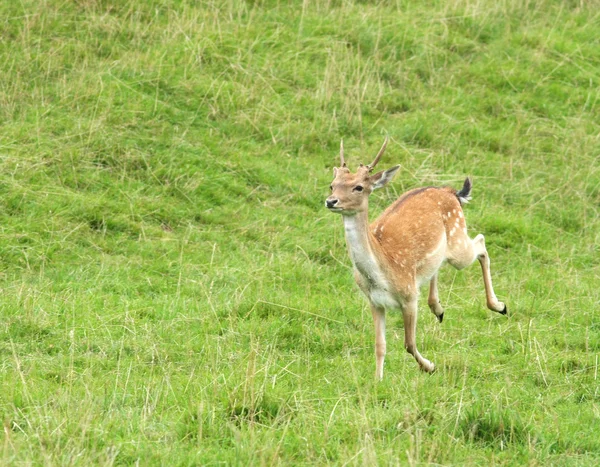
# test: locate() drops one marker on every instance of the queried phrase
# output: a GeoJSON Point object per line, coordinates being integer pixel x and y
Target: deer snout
{"type": "Point", "coordinates": [331, 202]}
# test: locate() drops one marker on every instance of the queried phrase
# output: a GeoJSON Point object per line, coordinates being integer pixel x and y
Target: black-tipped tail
{"type": "Point", "coordinates": [464, 195]}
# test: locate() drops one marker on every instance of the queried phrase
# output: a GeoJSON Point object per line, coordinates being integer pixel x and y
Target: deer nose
{"type": "Point", "coordinates": [331, 203]}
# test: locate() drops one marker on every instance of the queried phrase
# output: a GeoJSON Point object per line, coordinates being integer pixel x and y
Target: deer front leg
{"type": "Point", "coordinates": [484, 259]}
{"type": "Point", "coordinates": [434, 300]}
{"type": "Point", "coordinates": [379, 321]}
{"type": "Point", "coordinates": [409, 314]}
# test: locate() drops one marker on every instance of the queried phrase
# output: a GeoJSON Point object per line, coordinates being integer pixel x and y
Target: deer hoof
{"type": "Point", "coordinates": [441, 317]}
{"type": "Point", "coordinates": [504, 311]}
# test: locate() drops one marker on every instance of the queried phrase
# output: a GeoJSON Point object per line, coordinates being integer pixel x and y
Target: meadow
{"type": "Point", "coordinates": [173, 291]}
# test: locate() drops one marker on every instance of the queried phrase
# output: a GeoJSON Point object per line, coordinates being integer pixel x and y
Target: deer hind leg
{"type": "Point", "coordinates": [484, 259]}
{"type": "Point", "coordinates": [410, 330]}
{"type": "Point", "coordinates": [379, 321]}
{"type": "Point", "coordinates": [434, 300]}
{"type": "Point", "coordinates": [465, 254]}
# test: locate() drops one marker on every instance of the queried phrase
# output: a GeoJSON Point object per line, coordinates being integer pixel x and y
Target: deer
{"type": "Point", "coordinates": [404, 248]}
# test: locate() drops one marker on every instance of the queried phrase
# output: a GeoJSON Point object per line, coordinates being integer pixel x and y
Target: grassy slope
{"type": "Point", "coordinates": [172, 289]}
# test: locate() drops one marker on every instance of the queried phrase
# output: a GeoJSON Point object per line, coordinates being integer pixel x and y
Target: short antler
{"type": "Point", "coordinates": [372, 165]}
{"type": "Point", "coordinates": [342, 161]}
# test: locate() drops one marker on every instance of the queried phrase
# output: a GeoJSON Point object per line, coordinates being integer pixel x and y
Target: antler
{"type": "Point", "coordinates": [379, 154]}
{"type": "Point", "coordinates": [343, 162]}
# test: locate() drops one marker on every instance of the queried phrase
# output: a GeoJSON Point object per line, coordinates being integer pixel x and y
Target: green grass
{"type": "Point", "coordinates": [173, 291]}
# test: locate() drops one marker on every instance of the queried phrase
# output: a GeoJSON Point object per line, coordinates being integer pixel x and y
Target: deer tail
{"type": "Point", "coordinates": [464, 195]}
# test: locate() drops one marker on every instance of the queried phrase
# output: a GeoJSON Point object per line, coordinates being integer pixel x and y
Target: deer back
{"type": "Point", "coordinates": [413, 233]}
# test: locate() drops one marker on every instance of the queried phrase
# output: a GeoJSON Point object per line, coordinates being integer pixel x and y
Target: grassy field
{"type": "Point", "coordinates": [175, 293]}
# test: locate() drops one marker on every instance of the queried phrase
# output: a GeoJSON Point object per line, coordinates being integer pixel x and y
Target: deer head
{"type": "Point", "coordinates": [350, 192]}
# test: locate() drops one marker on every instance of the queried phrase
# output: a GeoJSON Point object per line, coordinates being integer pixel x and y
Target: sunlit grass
{"type": "Point", "coordinates": [174, 291]}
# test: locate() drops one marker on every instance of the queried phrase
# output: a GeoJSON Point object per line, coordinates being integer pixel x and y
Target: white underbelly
{"type": "Point", "coordinates": [382, 298]}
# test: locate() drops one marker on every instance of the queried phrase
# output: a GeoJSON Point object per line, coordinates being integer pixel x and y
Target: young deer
{"type": "Point", "coordinates": [405, 247]}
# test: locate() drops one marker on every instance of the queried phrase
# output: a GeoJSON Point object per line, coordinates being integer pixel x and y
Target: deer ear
{"type": "Point", "coordinates": [381, 179]}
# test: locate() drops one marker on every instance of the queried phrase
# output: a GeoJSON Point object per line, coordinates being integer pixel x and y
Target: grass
{"type": "Point", "coordinates": [173, 291]}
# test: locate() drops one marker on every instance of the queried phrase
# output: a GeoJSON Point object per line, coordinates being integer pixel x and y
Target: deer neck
{"type": "Point", "coordinates": [361, 246]}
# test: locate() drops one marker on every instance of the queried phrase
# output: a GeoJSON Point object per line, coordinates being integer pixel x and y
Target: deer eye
{"type": "Point", "coordinates": [358, 188]}
{"type": "Point", "coordinates": [330, 187]}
